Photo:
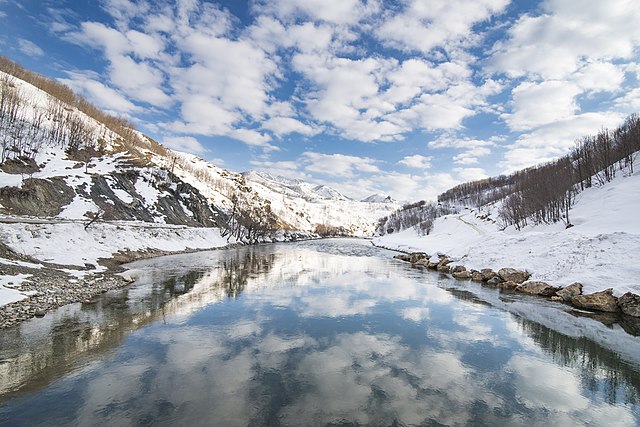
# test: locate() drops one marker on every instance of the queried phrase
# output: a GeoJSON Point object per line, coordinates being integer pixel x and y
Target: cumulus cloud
{"type": "Point", "coordinates": [417, 161]}
{"type": "Point", "coordinates": [340, 165]}
{"type": "Point", "coordinates": [423, 26]}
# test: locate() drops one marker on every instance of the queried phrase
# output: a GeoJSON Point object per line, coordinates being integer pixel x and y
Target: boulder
{"type": "Point", "coordinates": [476, 276]}
{"type": "Point", "coordinates": [599, 301]}
{"type": "Point", "coordinates": [458, 269]}
{"type": "Point", "coordinates": [423, 262]}
{"type": "Point", "coordinates": [461, 274]}
{"type": "Point", "coordinates": [417, 256]}
{"type": "Point", "coordinates": [443, 268]}
{"type": "Point", "coordinates": [488, 274]}
{"type": "Point", "coordinates": [537, 288]}
{"type": "Point", "coordinates": [403, 257]}
{"type": "Point", "coordinates": [509, 285]}
{"type": "Point", "coordinates": [570, 291]}
{"type": "Point", "coordinates": [494, 281]}
{"type": "Point", "coordinates": [629, 303]}
{"type": "Point", "coordinates": [556, 298]}
{"type": "Point", "coordinates": [511, 274]}
{"type": "Point", "coordinates": [432, 265]}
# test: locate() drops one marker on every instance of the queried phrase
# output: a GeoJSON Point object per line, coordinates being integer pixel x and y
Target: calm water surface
{"type": "Point", "coordinates": [333, 332]}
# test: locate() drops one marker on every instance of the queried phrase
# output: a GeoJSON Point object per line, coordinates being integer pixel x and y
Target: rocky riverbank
{"type": "Point", "coordinates": [49, 286]}
{"type": "Point", "coordinates": [511, 279]}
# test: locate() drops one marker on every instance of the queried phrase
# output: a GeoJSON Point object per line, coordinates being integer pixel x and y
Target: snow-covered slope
{"type": "Point", "coordinates": [599, 251]}
{"type": "Point", "coordinates": [305, 206]}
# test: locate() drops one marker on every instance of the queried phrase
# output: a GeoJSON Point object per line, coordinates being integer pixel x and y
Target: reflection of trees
{"type": "Point", "coordinates": [238, 269]}
{"type": "Point", "coordinates": [604, 371]}
{"type": "Point", "coordinates": [31, 359]}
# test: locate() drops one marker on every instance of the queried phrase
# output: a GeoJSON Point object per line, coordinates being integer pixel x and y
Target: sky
{"type": "Point", "coordinates": [404, 98]}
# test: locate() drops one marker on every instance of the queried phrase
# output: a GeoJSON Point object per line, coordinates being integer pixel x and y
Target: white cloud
{"type": "Point", "coordinates": [29, 48]}
{"type": "Point", "coordinates": [99, 94]}
{"type": "Point", "coordinates": [555, 139]}
{"type": "Point", "coordinates": [284, 125]}
{"type": "Point", "coordinates": [341, 12]}
{"type": "Point", "coordinates": [339, 165]}
{"type": "Point", "coordinates": [184, 143]}
{"type": "Point", "coordinates": [417, 161]}
{"type": "Point", "coordinates": [423, 26]}
{"type": "Point", "coordinates": [536, 104]}
{"type": "Point", "coordinates": [470, 174]}
{"type": "Point", "coordinates": [553, 44]}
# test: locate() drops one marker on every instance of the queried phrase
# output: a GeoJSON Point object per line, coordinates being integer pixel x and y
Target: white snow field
{"type": "Point", "coordinates": [600, 251]}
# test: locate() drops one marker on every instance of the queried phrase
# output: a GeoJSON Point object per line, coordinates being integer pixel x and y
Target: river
{"type": "Point", "coordinates": [331, 332]}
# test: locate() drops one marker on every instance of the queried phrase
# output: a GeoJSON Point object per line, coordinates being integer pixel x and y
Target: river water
{"type": "Point", "coordinates": [331, 332]}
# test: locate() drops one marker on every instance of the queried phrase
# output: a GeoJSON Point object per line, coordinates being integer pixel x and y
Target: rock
{"type": "Point", "coordinates": [443, 268]}
{"type": "Point", "coordinates": [461, 274]}
{"type": "Point", "coordinates": [629, 303]}
{"type": "Point", "coordinates": [432, 265]}
{"type": "Point", "coordinates": [511, 274]}
{"type": "Point", "coordinates": [494, 281]}
{"type": "Point", "coordinates": [476, 276]}
{"type": "Point", "coordinates": [417, 256]}
{"type": "Point", "coordinates": [537, 288]}
{"type": "Point", "coordinates": [509, 284]}
{"type": "Point", "coordinates": [556, 298]}
{"type": "Point", "coordinates": [487, 274]}
{"type": "Point", "coordinates": [570, 291]}
{"type": "Point", "coordinates": [127, 278]}
{"type": "Point", "coordinates": [458, 269]}
{"type": "Point", "coordinates": [403, 257]}
{"type": "Point", "coordinates": [40, 313]}
{"type": "Point", "coordinates": [424, 262]}
{"type": "Point", "coordinates": [600, 301]}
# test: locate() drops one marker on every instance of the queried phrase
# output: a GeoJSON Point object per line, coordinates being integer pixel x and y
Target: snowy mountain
{"type": "Point", "coordinates": [100, 167]}
{"type": "Point", "coordinates": [378, 198]}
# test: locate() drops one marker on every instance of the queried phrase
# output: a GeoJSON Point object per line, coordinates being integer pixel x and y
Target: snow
{"type": "Point", "coordinates": [597, 252]}
{"type": "Point", "coordinates": [9, 291]}
{"type": "Point", "coordinates": [70, 244]}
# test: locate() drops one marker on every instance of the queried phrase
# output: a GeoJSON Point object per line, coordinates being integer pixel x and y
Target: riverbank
{"type": "Point", "coordinates": [45, 265]}
{"type": "Point", "coordinates": [598, 250]}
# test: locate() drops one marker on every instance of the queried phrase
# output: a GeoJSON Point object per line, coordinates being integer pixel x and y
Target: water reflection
{"type": "Point", "coordinates": [330, 333]}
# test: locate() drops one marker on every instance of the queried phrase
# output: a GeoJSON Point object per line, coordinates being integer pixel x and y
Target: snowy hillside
{"type": "Point", "coordinates": [598, 251]}
{"type": "Point", "coordinates": [306, 206]}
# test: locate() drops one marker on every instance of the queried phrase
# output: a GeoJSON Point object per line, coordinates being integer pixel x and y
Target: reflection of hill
{"type": "Point", "coordinates": [604, 369]}
{"type": "Point", "coordinates": [41, 350]}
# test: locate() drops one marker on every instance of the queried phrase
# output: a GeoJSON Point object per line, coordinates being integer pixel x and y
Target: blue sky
{"type": "Point", "coordinates": [406, 98]}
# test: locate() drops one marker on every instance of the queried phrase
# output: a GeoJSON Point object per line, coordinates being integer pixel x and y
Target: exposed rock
{"type": "Point", "coordinates": [508, 285]}
{"type": "Point", "coordinates": [511, 274]}
{"type": "Point", "coordinates": [570, 291]}
{"type": "Point", "coordinates": [432, 265]}
{"type": "Point", "coordinates": [488, 274]}
{"type": "Point", "coordinates": [494, 281]}
{"type": "Point", "coordinates": [629, 303]}
{"type": "Point", "coordinates": [600, 301]}
{"type": "Point", "coordinates": [461, 274]}
{"type": "Point", "coordinates": [443, 268]}
{"type": "Point", "coordinates": [403, 257]}
{"type": "Point", "coordinates": [537, 288]}
{"type": "Point", "coordinates": [458, 269]}
{"type": "Point", "coordinates": [38, 197]}
{"type": "Point", "coordinates": [424, 262]}
{"type": "Point", "coordinates": [476, 276]}
{"type": "Point", "coordinates": [417, 256]}
{"type": "Point", "coordinates": [556, 298]}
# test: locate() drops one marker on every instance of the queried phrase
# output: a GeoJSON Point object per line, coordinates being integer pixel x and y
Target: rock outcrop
{"type": "Point", "coordinates": [570, 291]}
{"type": "Point", "coordinates": [537, 288]}
{"type": "Point", "coordinates": [599, 301]}
{"type": "Point", "coordinates": [513, 275]}
{"type": "Point", "coordinates": [629, 303]}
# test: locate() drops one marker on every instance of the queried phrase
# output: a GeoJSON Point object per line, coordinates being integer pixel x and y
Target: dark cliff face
{"type": "Point", "coordinates": [177, 203]}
